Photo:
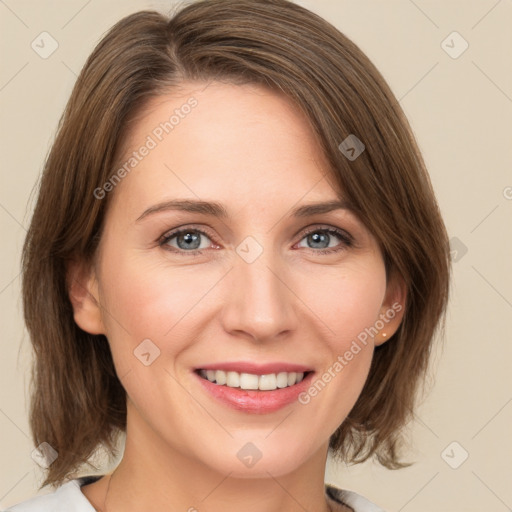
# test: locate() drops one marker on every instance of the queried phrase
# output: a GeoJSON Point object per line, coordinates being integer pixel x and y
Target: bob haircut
{"type": "Point", "coordinates": [77, 401]}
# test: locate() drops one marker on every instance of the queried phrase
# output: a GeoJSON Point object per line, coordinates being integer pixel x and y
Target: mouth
{"type": "Point", "coordinates": [256, 388]}
{"type": "Point", "coordinates": [253, 381]}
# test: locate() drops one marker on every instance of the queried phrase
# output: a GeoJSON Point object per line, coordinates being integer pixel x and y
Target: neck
{"type": "Point", "coordinates": [154, 476]}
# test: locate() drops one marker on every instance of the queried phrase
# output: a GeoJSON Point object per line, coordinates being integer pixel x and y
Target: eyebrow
{"type": "Point", "coordinates": [215, 209]}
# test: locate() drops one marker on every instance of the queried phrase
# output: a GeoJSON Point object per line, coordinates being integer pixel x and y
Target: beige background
{"type": "Point", "coordinates": [461, 112]}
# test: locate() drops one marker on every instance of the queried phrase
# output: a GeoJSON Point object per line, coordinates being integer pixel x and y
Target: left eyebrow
{"type": "Point", "coordinates": [218, 210]}
{"type": "Point", "coordinates": [308, 210]}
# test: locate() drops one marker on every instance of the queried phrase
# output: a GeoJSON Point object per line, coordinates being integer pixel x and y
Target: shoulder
{"type": "Point", "coordinates": [66, 498]}
{"type": "Point", "coordinates": [351, 499]}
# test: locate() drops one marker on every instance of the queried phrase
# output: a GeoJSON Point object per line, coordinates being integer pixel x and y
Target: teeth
{"type": "Point", "coordinates": [248, 381]}
{"type": "Point", "coordinates": [233, 380]}
{"type": "Point", "coordinates": [282, 380]}
{"type": "Point", "coordinates": [220, 377]}
{"type": "Point", "coordinates": [268, 382]}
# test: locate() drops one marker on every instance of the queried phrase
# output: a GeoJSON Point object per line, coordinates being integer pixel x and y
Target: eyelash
{"type": "Point", "coordinates": [346, 239]}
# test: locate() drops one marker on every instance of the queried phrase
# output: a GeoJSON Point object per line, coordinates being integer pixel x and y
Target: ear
{"type": "Point", "coordinates": [392, 309]}
{"type": "Point", "coordinates": [82, 288]}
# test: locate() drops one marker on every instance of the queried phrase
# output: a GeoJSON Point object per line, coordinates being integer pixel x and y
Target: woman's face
{"type": "Point", "coordinates": [260, 285]}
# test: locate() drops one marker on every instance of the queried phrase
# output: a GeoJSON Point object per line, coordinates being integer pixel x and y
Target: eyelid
{"type": "Point", "coordinates": [171, 233]}
{"type": "Point", "coordinates": [327, 227]}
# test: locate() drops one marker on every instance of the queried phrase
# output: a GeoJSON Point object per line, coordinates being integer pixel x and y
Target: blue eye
{"type": "Point", "coordinates": [326, 234]}
{"type": "Point", "coordinates": [188, 240]}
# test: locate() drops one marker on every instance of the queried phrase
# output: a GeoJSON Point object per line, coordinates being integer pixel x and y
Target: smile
{"type": "Point", "coordinates": [251, 381]}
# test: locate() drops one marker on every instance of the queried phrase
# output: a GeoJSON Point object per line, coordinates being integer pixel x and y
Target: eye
{"type": "Point", "coordinates": [187, 240]}
{"type": "Point", "coordinates": [321, 238]}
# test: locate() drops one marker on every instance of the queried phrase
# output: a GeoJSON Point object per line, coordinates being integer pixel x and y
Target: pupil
{"type": "Point", "coordinates": [319, 238]}
{"type": "Point", "coordinates": [189, 240]}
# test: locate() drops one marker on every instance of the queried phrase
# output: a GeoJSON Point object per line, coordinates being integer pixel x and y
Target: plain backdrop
{"type": "Point", "coordinates": [448, 63]}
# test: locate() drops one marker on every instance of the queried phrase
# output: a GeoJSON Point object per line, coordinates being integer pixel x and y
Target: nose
{"type": "Point", "coordinates": [259, 303]}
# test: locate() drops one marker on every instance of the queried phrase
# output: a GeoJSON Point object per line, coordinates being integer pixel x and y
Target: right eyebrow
{"type": "Point", "coordinates": [205, 207]}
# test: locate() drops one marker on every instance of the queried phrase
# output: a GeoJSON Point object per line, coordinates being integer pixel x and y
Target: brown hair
{"type": "Point", "coordinates": [77, 401]}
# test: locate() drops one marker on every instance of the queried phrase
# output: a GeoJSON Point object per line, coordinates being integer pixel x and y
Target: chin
{"type": "Point", "coordinates": [258, 459]}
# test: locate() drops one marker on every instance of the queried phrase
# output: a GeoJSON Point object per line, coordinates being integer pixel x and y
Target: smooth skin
{"type": "Point", "coordinates": [249, 149]}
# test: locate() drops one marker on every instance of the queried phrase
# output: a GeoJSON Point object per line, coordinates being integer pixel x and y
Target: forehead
{"type": "Point", "coordinates": [234, 143]}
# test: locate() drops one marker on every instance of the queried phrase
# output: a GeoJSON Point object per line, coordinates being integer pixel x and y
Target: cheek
{"type": "Point", "coordinates": [347, 300]}
{"type": "Point", "coordinates": [146, 302]}
{"type": "Point", "coordinates": [147, 299]}
{"type": "Point", "coordinates": [348, 303]}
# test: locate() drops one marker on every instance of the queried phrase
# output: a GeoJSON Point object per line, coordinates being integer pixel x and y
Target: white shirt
{"type": "Point", "coordinates": [69, 498]}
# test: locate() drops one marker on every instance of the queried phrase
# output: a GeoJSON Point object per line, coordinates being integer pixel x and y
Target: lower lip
{"type": "Point", "coordinates": [253, 401]}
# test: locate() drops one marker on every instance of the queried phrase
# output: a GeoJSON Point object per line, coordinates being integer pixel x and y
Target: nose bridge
{"type": "Point", "coordinates": [259, 302]}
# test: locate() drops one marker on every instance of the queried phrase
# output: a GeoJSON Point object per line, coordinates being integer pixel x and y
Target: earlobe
{"type": "Point", "coordinates": [392, 310]}
{"type": "Point", "coordinates": [82, 288]}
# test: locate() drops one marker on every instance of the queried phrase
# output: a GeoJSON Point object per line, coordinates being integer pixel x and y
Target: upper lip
{"type": "Point", "coordinates": [255, 368]}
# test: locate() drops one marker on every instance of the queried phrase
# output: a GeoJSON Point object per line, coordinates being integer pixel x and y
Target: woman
{"type": "Point", "coordinates": [236, 259]}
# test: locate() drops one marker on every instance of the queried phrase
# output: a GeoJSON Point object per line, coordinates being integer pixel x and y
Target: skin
{"type": "Point", "coordinates": [249, 149]}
